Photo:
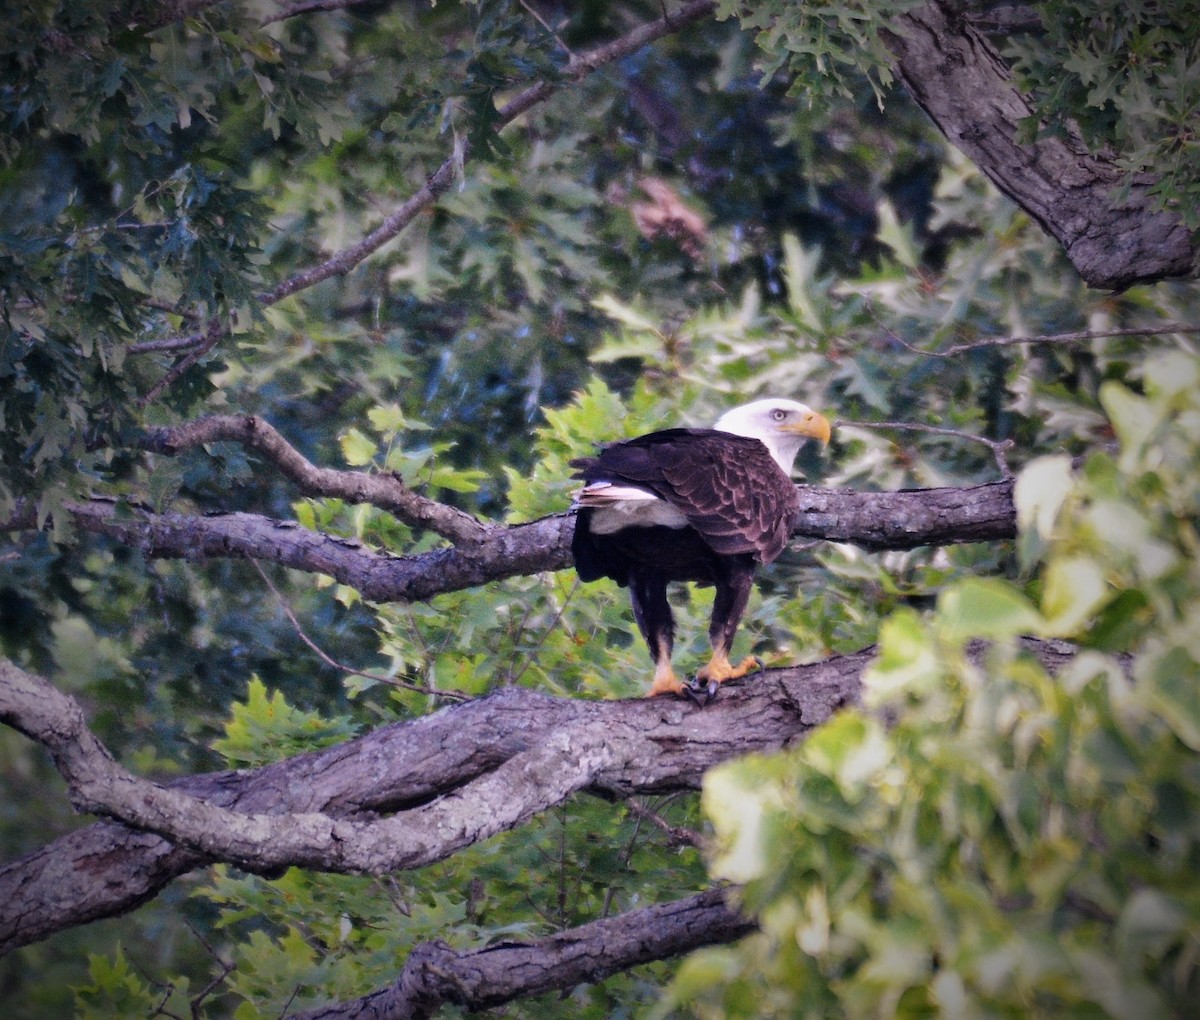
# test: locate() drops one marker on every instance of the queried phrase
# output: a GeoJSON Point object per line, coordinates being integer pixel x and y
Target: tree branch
{"type": "Point", "coordinates": [908, 518]}
{"type": "Point", "coordinates": [1075, 337]}
{"type": "Point", "coordinates": [873, 520]}
{"type": "Point", "coordinates": [298, 7]}
{"type": "Point", "coordinates": [416, 772]}
{"type": "Point", "coordinates": [537, 777]}
{"type": "Point", "coordinates": [436, 974]}
{"type": "Point", "coordinates": [999, 447]}
{"type": "Point", "coordinates": [508, 744]}
{"type": "Point", "coordinates": [958, 78]}
{"type": "Point", "coordinates": [520, 550]}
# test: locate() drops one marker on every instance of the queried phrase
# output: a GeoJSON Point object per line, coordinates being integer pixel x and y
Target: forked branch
{"type": "Point", "coordinates": [385, 490]}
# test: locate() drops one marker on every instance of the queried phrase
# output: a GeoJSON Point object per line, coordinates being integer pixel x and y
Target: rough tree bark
{"type": "Point", "coordinates": [958, 78]}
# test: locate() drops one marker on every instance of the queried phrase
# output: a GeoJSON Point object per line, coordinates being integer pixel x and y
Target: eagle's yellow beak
{"type": "Point", "coordinates": [813, 425]}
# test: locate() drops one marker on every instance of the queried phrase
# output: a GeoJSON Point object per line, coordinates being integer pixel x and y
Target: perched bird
{"type": "Point", "coordinates": [703, 505]}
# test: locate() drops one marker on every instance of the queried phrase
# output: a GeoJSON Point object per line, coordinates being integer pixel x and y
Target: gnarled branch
{"type": "Point", "coordinates": [407, 769]}
{"type": "Point", "coordinates": [385, 491]}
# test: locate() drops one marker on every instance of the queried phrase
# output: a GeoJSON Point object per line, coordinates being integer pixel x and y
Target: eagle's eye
{"type": "Point", "coordinates": [779, 414]}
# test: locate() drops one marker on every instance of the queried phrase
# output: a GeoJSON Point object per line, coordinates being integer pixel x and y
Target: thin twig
{"type": "Point", "coordinates": [169, 307]}
{"type": "Point", "coordinates": [309, 7]}
{"type": "Point", "coordinates": [175, 344]}
{"type": "Point", "coordinates": [330, 661]}
{"type": "Point", "coordinates": [227, 968]}
{"type": "Point", "coordinates": [546, 632]}
{"type": "Point", "coordinates": [549, 29]}
{"type": "Point", "coordinates": [998, 446]}
{"type": "Point", "coordinates": [679, 833]}
{"type": "Point", "coordinates": [1078, 336]}
{"type": "Point", "coordinates": [213, 333]}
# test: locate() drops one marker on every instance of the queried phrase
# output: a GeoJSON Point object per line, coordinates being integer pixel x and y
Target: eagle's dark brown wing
{"type": "Point", "coordinates": [727, 486]}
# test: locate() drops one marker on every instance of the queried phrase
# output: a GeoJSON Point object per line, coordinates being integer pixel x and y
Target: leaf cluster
{"type": "Point", "coordinates": [829, 48]}
{"type": "Point", "coordinates": [1012, 842]}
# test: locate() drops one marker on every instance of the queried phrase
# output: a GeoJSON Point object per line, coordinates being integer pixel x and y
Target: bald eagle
{"type": "Point", "coordinates": [703, 505]}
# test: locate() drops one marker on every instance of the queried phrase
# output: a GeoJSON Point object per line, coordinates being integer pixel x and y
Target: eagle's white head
{"type": "Point", "coordinates": [779, 424]}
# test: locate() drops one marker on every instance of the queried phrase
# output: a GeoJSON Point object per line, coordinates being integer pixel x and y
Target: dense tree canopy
{"type": "Point", "coordinates": [306, 309]}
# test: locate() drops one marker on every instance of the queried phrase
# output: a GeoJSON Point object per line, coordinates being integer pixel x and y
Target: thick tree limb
{"type": "Point", "coordinates": [908, 518]}
{"type": "Point", "coordinates": [415, 772]}
{"type": "Point", "coordinates": [960, 80]}
{"type": "Point", "coordinates": [520, 550]}
{"type": "Point", "coordinates": [435, 974]}
{"type": "Point", "coordinates": [544, 773]}
{"type": "Point", "coordinates": [874, 520]}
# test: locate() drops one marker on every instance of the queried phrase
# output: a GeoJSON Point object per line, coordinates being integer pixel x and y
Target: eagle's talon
{"type": "Point", "coordinates": [701, 694]}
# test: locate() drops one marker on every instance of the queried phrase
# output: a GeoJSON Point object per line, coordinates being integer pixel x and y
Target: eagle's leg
{"type": "Point", "coordinates": [653, 614]}
{"type": "Point", "coordinates": [733, 592]}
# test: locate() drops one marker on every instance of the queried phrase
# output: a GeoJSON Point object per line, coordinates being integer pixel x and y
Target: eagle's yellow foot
{"type": "Point", "coordinates": [709, 678]}
{"type": "Point", "coordinates": [665, 682]}
{"type": "Point", "coordinates": [721, 669]}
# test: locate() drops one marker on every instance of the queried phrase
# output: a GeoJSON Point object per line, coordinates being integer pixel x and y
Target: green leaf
{"type": "Point", "coordinates": [737, 800]}
{"type": "Point", "coordinates": [358, 449]}
{"type": "Point", "coordinates": [388, 419]}
{"type": "Point", "coordinates": [114, 990]}
{"type": "Point", "coordinates": [986, 607]}
{"type": "Point", "coordinates": [899, 238]}
{"type": "Point", "coordinates": [1150, 924]}
{"type": "Point", "coordinates": [626, 315]}
{"type": "Point", "coordinates": [800, 267]}
{"type": "Point", "coordinates": [907, 662]}
{"type": "Point", "coordinates": [1134, 418]}
{"type": "Point", "coordinates": [266, 728]}
{"type": "Point", "coordinates": [1170, 682]}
